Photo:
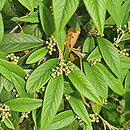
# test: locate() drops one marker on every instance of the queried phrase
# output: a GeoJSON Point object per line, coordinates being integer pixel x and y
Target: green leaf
{"type": "Point", "coordinates": [7, 68]}
{"type": "Point", "coordinates": [97, 11]}
{"type": "Point", "coordinates": [95, 76]}
{"type": "Point", "coordinates": [8, 85]}
{"type": "Point", "coordinates": [14, 42]}
{"type": "Point", "coordinates": [19, 84]}
{"type": "Point", "coordinates": [110, 55]}
{"type": "Point", "coordinates": [30, 4]}
{"type": "Point", "coordinates": [89, 45]}
{"type": "Point", "coordinates": [114, 9]}
{"type": "Point", "coordinates": [125, 9]}
{"type": "Point", "coordinates": [62, 119]}
{"type": "Point", "coordinates": [73, 22]}
{"type": "Point", "coordinates": [2, 4]}
{"type": "Point", "coordinates": [31, 18]}
{"type": "Point", "coordinates": [1, 28]}
{"type": "Point", "coordinates": [40, 76]}
{"type": "Point", "coordinates": [47, 19]}
{"type": "Point", "coordinates": [111, 81]}
{"type": "Point", "coordinates": [125, 37]}
{"type": "Point", "coordinates": [24, 104]}
{"type": "Point", "coordinates": [79, 80]}
{"type": "Point", "coordinates": [37, 55]}
{"type": "Point", "coordinates": [127, 96]}
{"type": "Point", "coordinates": [8, 123]}
{"type": "Point", "coordinates": [125, 62]}
{"type": "Point", "coordinates": [2, 55]}
{"type": "Point", "coordinates": [52, 100]}
{"type": "Point", "coordinates": [94, 55]}
{"type": "Point", "coordinates": [63, 11]}
{"type": "Point", "coordinates": [79, 108]}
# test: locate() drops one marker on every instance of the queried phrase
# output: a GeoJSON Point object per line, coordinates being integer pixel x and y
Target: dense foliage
{"type": "Point", "coordinates": [64, 64]}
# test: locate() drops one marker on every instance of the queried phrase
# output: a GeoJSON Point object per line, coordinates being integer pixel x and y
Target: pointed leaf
{"type": "Point", "coordinates": [14, 42]}
{"type": "Point", "coordinates": [79, 80]}
{"type": "Point", "coordinates": [47, 20]}
{"type": "Point", "coordinates": [111, 81]}
{"type": "Point", "coordinates": [37, 55]}
{"type": "Point", "coordinates": [110, 55]}
{"type": "Point", "coordinates": [62, 119]}
{"type": "Point", "coordinates": [114, 9]}
{"type": "Point", "coordinates": [19, 84]}
{"type": "Point", "coordinates": [52, 100]}
{"type": "Point", "coordinates": [24, 104]}
{"type": "Point", "coordinates": [7, 68]}
{"type": "Point", "coordinates": [63, 11]}
{"type": "Point", "coordinates": [95, 76]}
{"type": "Point", "coordinates": [8, 123]}
{"type": "Point", "coordinates": [94, 55]}
{"type": "Point", "coordinates": [79, 108]}
{"type": "Point", "coordinates": [40, 76]}
{"type": "Point", "coordinates": [88, 45]}
{"type": "Point", "coordinates": [97, 11]}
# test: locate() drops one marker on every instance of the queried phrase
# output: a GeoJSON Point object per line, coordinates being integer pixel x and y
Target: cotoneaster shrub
{"type": "Point", "coordinates": [64, 64]}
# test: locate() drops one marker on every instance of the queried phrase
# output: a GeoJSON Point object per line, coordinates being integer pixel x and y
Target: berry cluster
{"type": "Point", "coordinates": [105, 101]}
{"type": "Point", "coordinates": [51, 44]}
{"type": "Point", "coordinates": [12, 58]}
{"type": "Point", "coordinates": [25, 114]}
{"type": "Point", "coordinates": [41, 89]}
{"type": "Point", "coordinates": [94, 117]}
{"type": "Point", "coordinates": [123, 52]}
{"type": "Point", "coordinates": [93, 62]}
{"type": "Point", "coordinates": [63, 67]}
{"type": "Point", "coordinates": [81, 123]}
{"type": "Point", "coordinates": [15, 93]}
{"type": "Point", "coordinates": [67, 97]}
{"type": "Point", "coordinates": [4, 112]}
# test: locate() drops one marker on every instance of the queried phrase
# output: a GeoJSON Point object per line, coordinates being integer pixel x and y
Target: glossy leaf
{"type": "Point", "coordinates": [52, 100]}
{"type": "Point", "coordinates": [31, 18]}
{"type": "Point", "coordinates": [94, 55]}
{"type": "Point", "coordinates": [80, 110]}
{"type": "Point", "coordinates": [97, 11]}
{"type": "Point", "coordinates": [125, 9]}
{"type": "Point", "coordinates": [19, 84]}
{"type": "Point", "coordinates": [47, 20]}
{"type": "Point", "coordinates": [14, 42]}
{"type": "Point", "coordinates": [7, 68]}
{"type": "Point", "coordinates": [8, 123]}
{"type": "Point", "coordinates": [127, 93]}
{"type": "Point", "coordinates": [95, 76]}
{"type": "Point", "coordinates": [24, 104]}
{"type": "Point", "coordinates": [30, 4]}
{"type": "Point", "coordinates": [79, 80]}
{"type": "Point", "coordinates": [114, 8]}
{"type": "Point", "coordinates": [125, 62]}
{"type": "Point", "coordinates": [37, 55]}
{"type": "Point", "coordinates": [63, 11]}
{"type": "Point", "coordinates": [110, 55]}
{"type": "Point", "coordinates": [111, 81]}
{"type": "Point", "coordinates": [1, 28]}
{"type": "Point", "coordinates": [88, 45]}
{"type": "Point", "coordinates": [62, 119]}
{"type": "Point", "coordinates": [40, 76]}
{"type": "Point", "coordinates": [8, 85]}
